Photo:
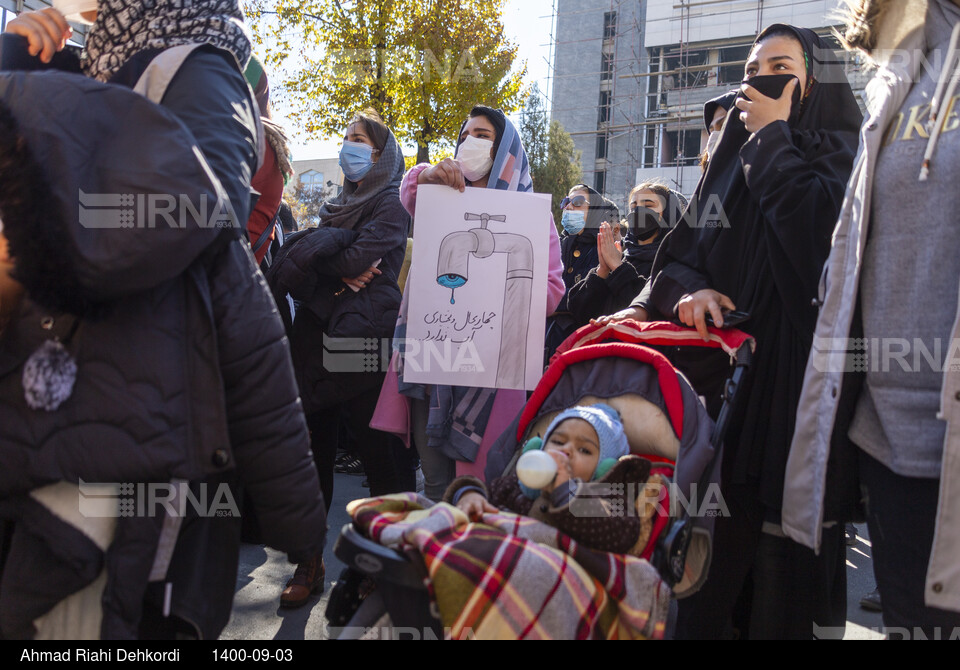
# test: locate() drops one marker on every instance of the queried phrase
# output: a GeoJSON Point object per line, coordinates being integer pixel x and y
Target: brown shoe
{"type": "Point", "coordinates": [307, 580]}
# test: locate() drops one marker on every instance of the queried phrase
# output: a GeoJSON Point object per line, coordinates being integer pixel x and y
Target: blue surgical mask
{"type": "Point", "coordinates": [356, 159]}
{"type": "Point", "coordinates": [573, 221]}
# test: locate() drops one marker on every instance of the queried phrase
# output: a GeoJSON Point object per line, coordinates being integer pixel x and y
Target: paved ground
{"type": "Point", "coordinates": [264, 572]}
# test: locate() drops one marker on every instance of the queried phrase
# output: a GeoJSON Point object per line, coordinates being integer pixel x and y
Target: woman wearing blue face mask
{"type": "Point", "coordinates": [344, 274]}
{"type": "Point", "coordinates": [584, 210]}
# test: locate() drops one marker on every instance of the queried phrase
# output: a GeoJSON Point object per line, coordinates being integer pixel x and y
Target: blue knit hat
{"type": "Point", "coordinates": [606, 421]}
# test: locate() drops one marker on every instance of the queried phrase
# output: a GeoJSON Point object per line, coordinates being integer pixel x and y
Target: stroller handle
{"type": "Point", "coordinates": [661, 333]}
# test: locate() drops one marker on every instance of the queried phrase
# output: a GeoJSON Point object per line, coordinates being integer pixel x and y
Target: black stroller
{"type": "Point", "coordinates": [662, 378]}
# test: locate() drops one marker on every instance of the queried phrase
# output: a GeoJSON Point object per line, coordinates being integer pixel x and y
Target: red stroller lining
{"type": "Point", "coordinates": [663, 416]}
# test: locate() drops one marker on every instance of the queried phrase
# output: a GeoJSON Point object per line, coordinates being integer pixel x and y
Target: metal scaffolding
{"type": "Point", "coordinates": [656, 123]}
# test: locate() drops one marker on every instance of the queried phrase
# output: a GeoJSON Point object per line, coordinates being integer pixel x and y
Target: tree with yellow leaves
{"type": "Point", "coordinates": [422, 64]}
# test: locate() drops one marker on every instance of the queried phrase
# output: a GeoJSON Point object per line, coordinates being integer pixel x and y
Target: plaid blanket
{"type": "Point", "coordinates": [511, 577]}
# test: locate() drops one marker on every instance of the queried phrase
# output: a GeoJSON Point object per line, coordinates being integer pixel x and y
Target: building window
{"type": "Point", "coordinates": [653, 90]}
{"type": "Point", "coordinates": [679, 147]}
{"type": "Point", "coordinates": [609, 25]}
{"type": "Point", "coordinates": [601, 147]}
{"type": "Point", "coordinates": [312, 179]}
{"type": "Point", "coordinates": [735, 59]}
{"type": "Point", "coordinates": [599, 181]}
{"type": "Point", "coordinates": [606, 67]}
{"type": "Point", "coordinates": [603, 107]}
{"type": "Point", "coordinates": [650, 147]}
{"type": "Point", "coordinates": [686, 69]}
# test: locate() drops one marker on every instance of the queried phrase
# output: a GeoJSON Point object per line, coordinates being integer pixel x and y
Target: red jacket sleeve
{"type": "Point", "coordinates": [268, 182]}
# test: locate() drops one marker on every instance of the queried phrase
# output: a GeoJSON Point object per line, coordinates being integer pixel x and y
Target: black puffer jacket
{"type": "Point", "coordinates": [593, 297]}
{"type": "Point", "coordinates": [309, 268]}
{"type": "Point", "coordinates": [183, 370]}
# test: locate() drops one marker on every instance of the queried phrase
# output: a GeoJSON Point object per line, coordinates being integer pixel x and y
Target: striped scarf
{"type": "Point", "coordinates": [458, 415]}
{"type": "Point", "coordinates": [123, 29]}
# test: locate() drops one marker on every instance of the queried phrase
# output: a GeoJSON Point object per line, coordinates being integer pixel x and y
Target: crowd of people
{"type": "Point", "coordinates": [193, 356]}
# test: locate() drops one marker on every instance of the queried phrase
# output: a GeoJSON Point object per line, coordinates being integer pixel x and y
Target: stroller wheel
{"type": "Point", "coordinates": [345, 597]}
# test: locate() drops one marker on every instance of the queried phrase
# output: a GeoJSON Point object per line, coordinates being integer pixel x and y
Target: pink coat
{"type": "Point", "coordinates": [393, 411]}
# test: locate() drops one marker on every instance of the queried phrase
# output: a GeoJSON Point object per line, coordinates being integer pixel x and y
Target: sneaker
{"type": "Point", "coordinates": [307, 580]}
{"type": "Point", "coordinates": [851, 535]}
{"type": "Point", "coordinates": [871, 601]}
{"type": "Point", "coordinates": [351, 466]}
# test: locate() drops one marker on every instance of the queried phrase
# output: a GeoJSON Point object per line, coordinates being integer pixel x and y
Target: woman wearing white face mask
{"type": "Point", "coordinates": [714, 114]}
{"type": "Point", "coordinates": [489, 155]}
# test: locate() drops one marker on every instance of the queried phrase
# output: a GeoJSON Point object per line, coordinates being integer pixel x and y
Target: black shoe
{"type": "Point", "coordinates": [871, 601]}
{"type": "Point", "coordinates": [851, 534]}
{"type": "Point", "coordinates": [352, 466]}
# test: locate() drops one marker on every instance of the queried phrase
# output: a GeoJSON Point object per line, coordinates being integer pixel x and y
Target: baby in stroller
{"type": "Point", "coordinates": [589, 446]}
{"type": "Point", "coordinates": [571, 565]}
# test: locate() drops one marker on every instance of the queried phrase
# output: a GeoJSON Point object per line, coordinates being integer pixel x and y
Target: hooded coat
{"type": "Point", "coordinates": [885, 30]}
{"type": "Point", "coordinates": [182, 368]}
{"type": "Point", "coordinates": [779, 192]}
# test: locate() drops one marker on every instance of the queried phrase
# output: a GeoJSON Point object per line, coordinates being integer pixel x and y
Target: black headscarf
{"type": "Point", "coordinates": [599, 209]}
{"type": "Point", "coordinates": [765, 249]}
{"type": "Point", "coordinates": [710, 106]}
{"type": "Point", "coordinates": [672, 214]}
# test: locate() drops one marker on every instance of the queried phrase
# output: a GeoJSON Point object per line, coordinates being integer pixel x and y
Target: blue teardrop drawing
{"type": "Point", "coordinates": [451, 282]}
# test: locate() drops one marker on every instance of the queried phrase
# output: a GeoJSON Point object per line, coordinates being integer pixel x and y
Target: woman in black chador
{"type": "Point", "coordinates": [755, 239]}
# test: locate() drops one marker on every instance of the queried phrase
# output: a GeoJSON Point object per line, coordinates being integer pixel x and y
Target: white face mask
{"type": "Point", "coordinates": [712, 142]}
{"type": "Point", "coordinates": [474, 158]}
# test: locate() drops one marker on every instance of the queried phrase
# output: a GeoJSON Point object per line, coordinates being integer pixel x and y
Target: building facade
{"type": "Point", "coordinates": [322, 173]}
{"type": "Point", "coordinates": [684, 52]}
{"type": "Point", "coordinates": [595, 93]}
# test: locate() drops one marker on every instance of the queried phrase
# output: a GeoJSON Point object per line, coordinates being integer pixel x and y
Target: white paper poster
{"type": "Point", "coordinates": [478, 288]}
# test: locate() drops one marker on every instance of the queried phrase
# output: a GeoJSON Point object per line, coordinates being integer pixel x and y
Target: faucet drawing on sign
{"type": "Point", "coordinates": [452, 273]}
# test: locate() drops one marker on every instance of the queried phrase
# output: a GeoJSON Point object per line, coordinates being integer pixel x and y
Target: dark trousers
{"type": "Point", "coordinates": [763, 586]}
{"type": "Point", "coordinates": [387, 464]}
{"type": "Point", "coordinates": [901, 518]}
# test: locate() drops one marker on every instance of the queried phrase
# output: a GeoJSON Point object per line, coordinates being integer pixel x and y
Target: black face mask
{"type": "Point", "coordinates": [645, 223]}
{"type": "Point", "coordinates": [772, 85]}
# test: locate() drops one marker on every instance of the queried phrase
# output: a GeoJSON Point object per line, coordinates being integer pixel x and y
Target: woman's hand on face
{"type": "Point", "coordinates": [760, 111]}
{"type": "Point", "coordinates": [475, 506]}
{"type": "Point", "coordinates": [46, 32]}
{"type": "Point", "coordinates": [693, 308]}
{"type": "Point", "coordinates": [363, 280]}
{"type": "Point", "coordinates": [447, 173]}
{"type": "Point", "coordinates": [608, 248]}
{"type": "Point", "coordinates": [635, 313]}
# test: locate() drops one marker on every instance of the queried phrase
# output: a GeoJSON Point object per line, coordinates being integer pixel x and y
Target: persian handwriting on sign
{"type": "Point", "coordinates": [442, 336]}
{"type": "Point", "coordinates": [446, 325]}
{"type": "Point", "coordinates": [471, 320]}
